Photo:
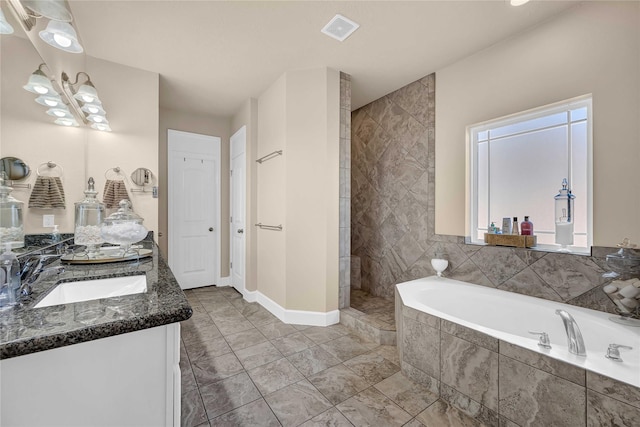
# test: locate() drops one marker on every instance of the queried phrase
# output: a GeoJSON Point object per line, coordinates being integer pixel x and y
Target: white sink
{"type": "Point", "coordinates": [86, 290]}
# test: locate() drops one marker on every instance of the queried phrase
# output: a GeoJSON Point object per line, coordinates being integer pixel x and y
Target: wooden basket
{"type": "Point", "coordinates": [512, 240]}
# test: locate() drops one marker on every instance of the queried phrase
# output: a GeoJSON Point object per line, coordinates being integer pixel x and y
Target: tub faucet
{"type": "Point", "coordinates": [574, 337]}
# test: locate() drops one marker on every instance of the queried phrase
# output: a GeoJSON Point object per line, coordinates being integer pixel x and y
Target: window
{"type": "Point", "coordinates": [517, 164]}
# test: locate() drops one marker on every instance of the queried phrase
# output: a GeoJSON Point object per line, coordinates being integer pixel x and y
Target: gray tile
{"type": "Point", "coordinates": [292, 343]}
{"type": "Point", "coordinates": [372, 408]}
{"type": "Point", "coordinates": [320, 334]}
{"type": "Point", "coordinates": [207, 349]}
{"type": "Point", "coordinates": [338, 383]}
{"type": "Point", "coordinates": [187, 379]}
{"type": "Point", "coordinates": [209, 370]}
{"type": "Point", "coordinates": [498, 264]}
{"type": "Point", "coordinates": [276, 329]}
{"type": "Point", "coordinates": [469, 406]}
{"type": "Point", "coordinates": [410, 396]}
{"type": "Point", "coordinates": [527, 282]}
{"type": "Point", "coordinates": [257, 355]}
{"type": "Point", "coordinates": [414, 423]}
{"type": "Point", "coordinates": [192, 410]}
{"type": "Point", "coordinates": [245, 339]}
{"type": "Point", "coordinates": [543, 362]}
{"type": "Point", "coordinates": [470, 369]}
{"type": "Point", "coordinates": [389, 352]}
{"type": "Point", "coordinates": [344, 348]}
{"type": "Point", "coordinates": [274, 376]}
{"type": "Point", "coordinates": [603, 410]}
{"type": "Point", "coordinates": [312, 360]}
{"type": "Point", "coordinates": [419, 316]}
{"type": "Point", "coordinates": [579, 274]}
{"type": "Point", "coordinates": [442, 414]}
{"type": "Point", "coordinates": [228, 394]}
{"type": "Point", "coordinates": [202, 333]}
{"type": "Point", "coordinates": [256, 413]}
{"type": "Point", "coordinates": [372, 367]}
{"type": "Point", "coordinates": [613, 388]}
{"type": "Point", "coordinates": [471, 335]}
{"type": "Point", "coordinates": [529, 396]}
{"type": "Point", "coordinates": [233, 326]}
{"type": "Point", "coordinates": [421, 346]}
{"type": "Point", "coordinates": [297, 403]}
{"type": "Point", "coordinates": [330, 418]}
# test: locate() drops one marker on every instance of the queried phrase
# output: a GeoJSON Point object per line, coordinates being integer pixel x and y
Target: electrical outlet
{"type": "Point", "coordinates": [48, 220]}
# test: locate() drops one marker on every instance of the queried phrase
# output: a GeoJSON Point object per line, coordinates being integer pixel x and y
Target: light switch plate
{"type": "Point", "coordinates": [48, 220]}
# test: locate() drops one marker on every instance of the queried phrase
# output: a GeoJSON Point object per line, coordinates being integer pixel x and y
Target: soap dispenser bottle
{"type": "Point", "coordinates": [10, 278]}
{"type": "Point", "coordinates": [564, 201]}
{"type": "Point", "coordinates": [526, 228]}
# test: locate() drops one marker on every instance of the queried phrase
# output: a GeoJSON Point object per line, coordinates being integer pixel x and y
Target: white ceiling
{"type": "Point", "coordinates": [214, 55]}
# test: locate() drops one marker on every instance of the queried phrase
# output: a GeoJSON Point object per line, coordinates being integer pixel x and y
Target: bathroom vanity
{"type": "Point", "coordinates": [102, 362]}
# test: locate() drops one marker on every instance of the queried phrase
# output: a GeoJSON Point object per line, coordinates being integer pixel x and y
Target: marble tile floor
{"type": "Point", "coordinates": [241, 366]}
{"type": "Point", "coordinates": [380, 311]}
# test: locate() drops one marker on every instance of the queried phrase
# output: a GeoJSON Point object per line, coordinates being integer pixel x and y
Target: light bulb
{"type": "Point", "coordinates": [93, 109]}
{"type": "Point", "coordinates": [87, 98]}
{"type": "Point", "coordinates": [51, 102]}
{"type": "Point", "coordinates": [41, 89]}
{"type": "Point", "coordinates": [62, 40]}
{"type": "Point", "coordinates": [59, 113]}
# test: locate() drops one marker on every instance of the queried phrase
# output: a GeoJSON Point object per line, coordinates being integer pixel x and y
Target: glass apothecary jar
{"type": "Point", "coordinates": [123, 228]}
{"type": "Point", "coordinates": [11, 227]}
{"type": "Point", "coordinates": [90, 214]}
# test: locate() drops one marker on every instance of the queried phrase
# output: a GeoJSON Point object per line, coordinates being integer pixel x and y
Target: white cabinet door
{"type": "Point", "coordinates": [238, 209]}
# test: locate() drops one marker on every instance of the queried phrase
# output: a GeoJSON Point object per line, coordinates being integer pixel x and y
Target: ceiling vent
{"type": "Point", "coordinates": [340, 27]}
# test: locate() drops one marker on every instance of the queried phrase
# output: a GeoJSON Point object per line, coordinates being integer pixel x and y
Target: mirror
{"type": "Point", "coordinates": [141, 177]}
{"type": "Point", "coordinates": [14, 168]}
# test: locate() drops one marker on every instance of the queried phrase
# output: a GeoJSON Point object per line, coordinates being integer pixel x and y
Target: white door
{"type": "Point", "coordinates": [238, 208]}
{"type": "Point", "coordinates": [193, 211]}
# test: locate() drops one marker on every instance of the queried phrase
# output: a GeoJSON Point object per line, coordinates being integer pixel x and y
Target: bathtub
{"type": "Point", "coordinates": [509, 317]}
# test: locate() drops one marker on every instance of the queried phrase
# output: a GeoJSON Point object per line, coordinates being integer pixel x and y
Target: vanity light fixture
{"type": "Point", "coordinates": [50, 100]}
{"type": "Point", "coordinates": [39, 83]}
{"type": "Point", "coordinates": [5, 27]}
{"type": "Point", "coordinates": [61, 35]}
{"type": "Point", "coordinates": [52, 9]}
{"type": "Point", "coordinates": [85, 102]}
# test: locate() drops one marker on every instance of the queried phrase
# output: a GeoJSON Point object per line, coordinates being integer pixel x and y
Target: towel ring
{"type": "Point", "coordinates": [117, 175]}
{"type": "Point", "coordinates": [50, 166]}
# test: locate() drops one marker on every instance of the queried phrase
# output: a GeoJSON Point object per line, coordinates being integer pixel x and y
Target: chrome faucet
{"type": "Point", "coordinates": [574, 336]}
{"type": "Point", "coordinates": [34, 268]}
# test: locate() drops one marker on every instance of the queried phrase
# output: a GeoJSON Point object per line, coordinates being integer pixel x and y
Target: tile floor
{"type": "Point", "coordinates": [380, 310]}
{"type": "Point", "coordinates": [241, 366]}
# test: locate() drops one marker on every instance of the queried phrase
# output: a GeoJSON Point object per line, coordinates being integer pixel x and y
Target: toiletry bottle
{"type": "Point", "coordinates": [55, 235]}
{"type": "Point", "coordinates": [11, 278]}
{"type": "Point", "coordinates": [492, 228]}
{"type": "Point", "coordinates": [526, 228]}
{"type": "Point", "coordinates": [514, 229]}
{"type": "Point", "coordinates": [506, 225]}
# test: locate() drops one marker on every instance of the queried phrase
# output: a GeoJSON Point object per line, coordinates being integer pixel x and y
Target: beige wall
{"type": "Point", "coordinates": [248, 116]}
{"type": "Point", "coordinates": [312, 189]}
{"type": "Point", "coordinates": [299, 114]}
{"type": "Point", "coordinates": [272, 136]}
{"type": "Point", "coordinates": [130, 98]}
{"type": "Point", "coordinates": [592, 48]}
{"type": "Point", "coordinates": [205, 125]}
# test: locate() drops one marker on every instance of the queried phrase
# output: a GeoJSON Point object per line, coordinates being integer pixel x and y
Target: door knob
{"type": "Point", "coordinates": [210, 228]}
{"type": "Point", "coordinates": [241, 230]}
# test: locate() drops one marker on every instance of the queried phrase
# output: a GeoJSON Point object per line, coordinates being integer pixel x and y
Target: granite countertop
{"type": "Point", "coordinates": [25, 330]}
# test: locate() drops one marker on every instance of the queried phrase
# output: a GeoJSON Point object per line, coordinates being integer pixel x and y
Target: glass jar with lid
{"type": "Point", "coordinates": [11, 227]}
{"type": "Point", "coordinates": [123, 228]}
{"type": "Point", "coordinates": [90, 214]}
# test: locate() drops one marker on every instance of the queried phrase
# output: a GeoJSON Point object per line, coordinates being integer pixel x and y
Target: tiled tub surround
{"type": "Point", "coordinates": [393, 205]}
{"type": "Point", "coordinates": [500, 383]}
{"type": "Point", "coordinates": [25, 330]}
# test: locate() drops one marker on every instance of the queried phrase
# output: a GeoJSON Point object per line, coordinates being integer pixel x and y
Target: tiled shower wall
{"type": "Point", "coordinates": [345, 190]}
{"type": "Point", "coordinates": [393, 206]}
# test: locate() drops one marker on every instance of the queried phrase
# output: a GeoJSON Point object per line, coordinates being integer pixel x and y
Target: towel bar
{"type": "Point", "coordinates": [269, 156]}
{"type": "Point", "coordinates": [269, 227]}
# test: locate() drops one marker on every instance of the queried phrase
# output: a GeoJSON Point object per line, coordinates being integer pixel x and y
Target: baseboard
{"type": "Point", "coordinates": [297, 317]}
{"type": "Point", "coordinates": [224, 281]}
{"type": "Point", "coordinates": [250, 296]}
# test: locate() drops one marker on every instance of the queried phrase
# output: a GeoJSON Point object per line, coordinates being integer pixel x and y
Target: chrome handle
{"type": "Point", "coordinates": [613, 351]}
{"type": "Point", "coordinates": [240, 230]}
{"type": "Point", "coordinates": [544, 339]}
{"type": "Point", "coordinates": [211, 228]}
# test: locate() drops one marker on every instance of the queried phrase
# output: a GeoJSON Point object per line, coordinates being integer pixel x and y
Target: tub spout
{"type": "Point", "coordinates": [574, 336]}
